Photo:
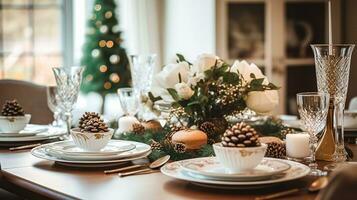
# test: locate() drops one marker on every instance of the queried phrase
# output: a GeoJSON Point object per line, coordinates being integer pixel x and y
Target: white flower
{"type": "Point", "coordinates": [246, 70]}
{"type": "Point", "coordinates": [262, 101]}
{"type": "Point", "coordinates": [184, 91]}
{"type": "Point", "coordinates": [204, 62]}
{"type": "Point", "coordinates": [169, 75]}
{"type": "Point", "coordinates": [193, 79]}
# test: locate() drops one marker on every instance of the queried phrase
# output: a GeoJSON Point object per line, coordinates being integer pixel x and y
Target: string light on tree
{"type": "Point", "coordinates": [97, 7]}
{"type": "Point", "coordinates": [102, 43]}
{"type": "Point", "coordinates": [110, 44]}
{"type": "Point", "coordinates": [95, 53]}
{"type": "Point", "coordinates": [105, 60]}
{"type": "Point", "coordinates": [103, 29]}
{"type": "Point", "coordinates": [114, 77]}
{"type": "Point", "coordinates": [108, 14]}
{"type": "Point", "coordinates": [103, 68]}
{"type": "Point", "coordinates": [114, 59]}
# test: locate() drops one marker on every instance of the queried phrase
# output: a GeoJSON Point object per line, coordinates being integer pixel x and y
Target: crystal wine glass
{"type": "Point", "coordinates": [332, 73]}
{"type": "Point", "coordinates": [142, 72]}
{"type": "Point", "coordinates": [129, 100]}
{"type": "Point", "coordinates": [68, 81]}
{"type": "Point", "coordinates": [313, 107]}
{"type": "Point", "coordinates": [53, 103]}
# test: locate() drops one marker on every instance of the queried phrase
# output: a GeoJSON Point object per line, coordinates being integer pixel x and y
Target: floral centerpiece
{"type": "Point", "coordinates": [200, 95]}
{"type": "Point", "coordinates": [209, 88]}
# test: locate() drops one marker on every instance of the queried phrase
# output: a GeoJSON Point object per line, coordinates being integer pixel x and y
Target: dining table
{"type": "Point", "coordinates": [34, 178]}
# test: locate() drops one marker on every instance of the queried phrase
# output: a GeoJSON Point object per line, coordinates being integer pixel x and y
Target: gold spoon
{"type": "Point", "coordinates": [315, 186]}
{"type": "Point", "coordinates": [154, 165]}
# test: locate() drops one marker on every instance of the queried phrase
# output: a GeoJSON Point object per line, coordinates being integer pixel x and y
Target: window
{"type": "Point", "coordinates": [31, 39]}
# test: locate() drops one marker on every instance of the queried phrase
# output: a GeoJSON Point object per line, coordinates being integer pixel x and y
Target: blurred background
{"type": "Point", "coordinates": [36, 35]}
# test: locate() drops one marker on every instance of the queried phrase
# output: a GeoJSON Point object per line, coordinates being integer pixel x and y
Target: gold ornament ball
{"type": "Point", "coordinates": [103, 68]}
{"type": "Point", "coordinates": [114, 77]}
{"type": "Point", "coordinates": [97, 7]}
{"type": "Point", "coordinates": [108, 14]}
{"type": "Point", "coordinates": [107, 85]}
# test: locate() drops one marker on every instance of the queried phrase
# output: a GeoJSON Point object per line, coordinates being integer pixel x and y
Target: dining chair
{"type": "Point", "coordinates": [32, 97]}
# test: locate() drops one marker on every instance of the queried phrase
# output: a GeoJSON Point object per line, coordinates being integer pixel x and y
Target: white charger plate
{"type": "Point", "coordinates": [211, 168]}
{"type": "Point", "coordinates": [139, 149]}
{"type": "Point", "coordinates": [175, 170]}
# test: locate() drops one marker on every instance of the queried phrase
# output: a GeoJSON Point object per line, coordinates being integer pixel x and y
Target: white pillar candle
{"type": "Point", "coordinates": [125, 124]}
{"type": "Point", "coordinates": [297, 145]}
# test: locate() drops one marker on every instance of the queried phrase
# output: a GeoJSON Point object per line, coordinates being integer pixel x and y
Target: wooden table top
{"type": "Point", "coordinates": [23, 172]}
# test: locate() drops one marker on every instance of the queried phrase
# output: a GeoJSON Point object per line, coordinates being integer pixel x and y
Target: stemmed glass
{"type": "Point", "coordinates": [129, 100]}
{"type": "Point", "coordinates": [68, 81]}
{"type": "Point", "coordinates": [142, 72]}
{"type": "Point", "coordinates": [332, 73]}
{"type": "Point", "coordinates": [313, 107]}
{"type": "Point", "coordinates": [53, 103]}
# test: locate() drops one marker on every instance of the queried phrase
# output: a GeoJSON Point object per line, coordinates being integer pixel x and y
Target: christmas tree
{"type": "Point", "coordinates": [105, 61]}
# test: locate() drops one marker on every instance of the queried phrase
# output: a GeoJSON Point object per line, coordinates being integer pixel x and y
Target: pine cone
{"type": "Point", "coordinates": [86, 117]}
{"type": "Point", "coordinates": [138, 128]}
{"type": "Point", "coordinates": [155, 145]}
{"type": "Point", "coordinates": [276, 150]}
{"type": "Point", "coordinates": [91, 122]}
{"type": "Point", "coordinates": [180, 148]}
{"type": "Point", "coordinates": [209, 128]}
{"type": "Point", "coordinates": [240, 135]}
{"type": "Point", "coordinates": [12, 108]}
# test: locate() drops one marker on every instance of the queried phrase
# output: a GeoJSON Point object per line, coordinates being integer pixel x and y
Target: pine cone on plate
{"type": "Point", "coordinates": [91, 122]}
{"type": "Point", "coordinates": [276, 150]}
{"type": "Point", "coordinates": [12, 108]}
{"type": "Point", "coordinates": [138, 128]}
{"type": "Point", "coordinates": [240, 135]}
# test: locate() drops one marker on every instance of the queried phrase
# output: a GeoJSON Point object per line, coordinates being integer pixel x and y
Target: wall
{"type": "Point", "coordinates": [350, 36]}
{"type": "Point", "coordinates": [188, 28]}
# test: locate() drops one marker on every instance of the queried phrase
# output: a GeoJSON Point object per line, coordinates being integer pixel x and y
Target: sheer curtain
{"type": "Point", "coordinates": [141, 22]}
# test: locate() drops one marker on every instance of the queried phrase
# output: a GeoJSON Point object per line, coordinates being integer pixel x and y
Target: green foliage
{"type": "Point", "coordinates": [167, 148]}
{"type": "Point", "coordinates": [102, 46]}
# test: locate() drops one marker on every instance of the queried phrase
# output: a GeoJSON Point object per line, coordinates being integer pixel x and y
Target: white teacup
{"type": "Point", "coordinates": [237, 159]}
{"type": "Point", "coordinates": [14, 124]}
{"type": "Point", "coordinates": [91, 141]}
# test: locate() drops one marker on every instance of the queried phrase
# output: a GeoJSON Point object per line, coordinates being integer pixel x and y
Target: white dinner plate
{"type": "Point", "coordinates": [40, 153]}
{"type": "Point", "coordinates": [175, 170]}
{"type": "Point", "coordinates": [29, 130]}
{"type": "Point", "coordinates": [114, 147]}
{"type": "Point", "coordinates": [139, 149]}
{"type": "Point", "coordinates": [51, 133]}
{"type": "Point", "coordinates": [211, 168]}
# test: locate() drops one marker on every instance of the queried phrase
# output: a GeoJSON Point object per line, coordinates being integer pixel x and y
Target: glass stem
{"type": "Point", "coordinates": [68, 116]}
{"type": "Point", "coordinates": [340, 153]}
{"type": "Point", "coordinates": [313, 141]}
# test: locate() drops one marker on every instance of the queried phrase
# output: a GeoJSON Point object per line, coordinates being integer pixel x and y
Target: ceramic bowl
{"type": "Point", "coordinates": [13, 124]}
{"type": "Point", "coordinates": [91, 141]}
{"type": "Point", "coordinates": [239, 159]}
{"type": "Point", "coordinates": [350, 119]}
